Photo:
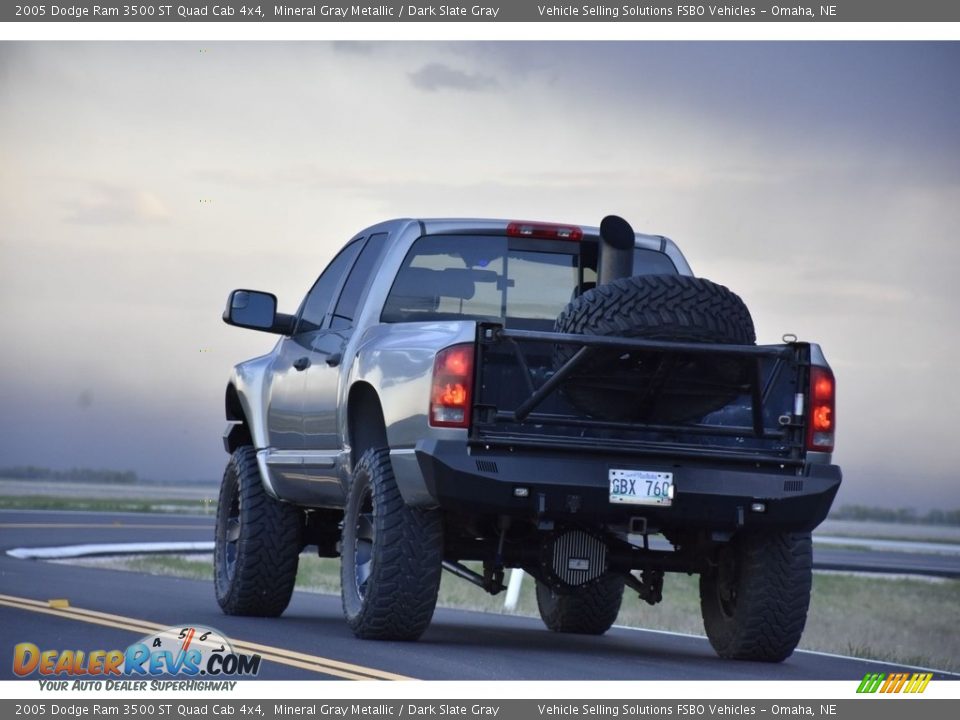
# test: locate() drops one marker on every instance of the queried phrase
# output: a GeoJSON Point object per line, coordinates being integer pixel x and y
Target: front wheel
{"type": "Point", "coordinates": [257, 544]}
{"type": "Point", "coordinates": [391, 556]}
{"type": "Point", "coordinates": [590, 610]}
{"type": "Point", "coordinates": [755, 601]}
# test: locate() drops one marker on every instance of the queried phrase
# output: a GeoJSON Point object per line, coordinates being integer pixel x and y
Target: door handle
{"type": "Point", "coordinates": [334, 359]}
{"type": "Point", "coordinates": [301, 363]}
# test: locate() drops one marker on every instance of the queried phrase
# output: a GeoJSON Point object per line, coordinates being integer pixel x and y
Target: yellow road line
{"type": "Point", "coordinates": [282, 656]}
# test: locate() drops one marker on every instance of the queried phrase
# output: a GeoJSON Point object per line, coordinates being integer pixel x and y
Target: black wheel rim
{"type": "Point", "coordinates": [231, 533]}
{"type": "Point", "coordinates": [366, 536]}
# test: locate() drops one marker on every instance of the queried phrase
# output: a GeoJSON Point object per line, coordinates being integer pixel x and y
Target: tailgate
{"type": "Point", "coordinates": [524, 398]}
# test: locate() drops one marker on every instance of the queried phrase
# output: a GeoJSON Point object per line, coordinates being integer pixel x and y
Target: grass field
{"type": "Point", "coordinates": [905, 621]}
{"type": "Point", "coordinates": [98, 504]}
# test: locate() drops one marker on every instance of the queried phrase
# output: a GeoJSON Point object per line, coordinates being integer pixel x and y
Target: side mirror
{"type": "Point", "coordinates": [257, 311]}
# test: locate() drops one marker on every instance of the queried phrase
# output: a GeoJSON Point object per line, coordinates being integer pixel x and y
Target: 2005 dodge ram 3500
{"type": "Point", "coordinates": [477, 395]}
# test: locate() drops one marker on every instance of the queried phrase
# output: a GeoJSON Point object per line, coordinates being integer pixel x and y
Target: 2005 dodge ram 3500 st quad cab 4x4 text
{"type": "Point", "coordinates": [477, 395]}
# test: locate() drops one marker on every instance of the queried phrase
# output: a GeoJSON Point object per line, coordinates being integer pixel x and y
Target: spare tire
{"type": "Point", "coordinates": [655, 386]}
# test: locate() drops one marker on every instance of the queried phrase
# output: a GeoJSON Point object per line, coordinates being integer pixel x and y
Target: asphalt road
{"type": "Point", "coordinates": [110, 609]}
{"type": "Point", "coordinates": [887, 561]}
{"type": "Point", "coordinates": [45, 528]}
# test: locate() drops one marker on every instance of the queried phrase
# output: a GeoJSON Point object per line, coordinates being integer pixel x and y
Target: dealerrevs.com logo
{"type": "Point", "coordinates": [199, 653]}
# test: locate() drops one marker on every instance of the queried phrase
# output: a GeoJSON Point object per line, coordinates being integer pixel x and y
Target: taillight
{"type": "Point", "coordinates": [452, 388]}
{"type": "Point", "coordinates": [544, 231]}
{"type": "Point", "coordinates": [822, 417]}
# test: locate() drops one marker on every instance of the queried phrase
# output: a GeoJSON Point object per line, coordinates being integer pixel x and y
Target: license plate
{"type": "Point", "coordinates": [641, 487]}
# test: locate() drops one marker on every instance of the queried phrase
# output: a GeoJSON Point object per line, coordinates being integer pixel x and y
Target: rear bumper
{"type": "Point", "coordinates": [575, 486]}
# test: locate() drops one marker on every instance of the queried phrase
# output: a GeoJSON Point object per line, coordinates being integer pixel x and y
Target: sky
{"type": "Point", "coordinates": [141, 182]}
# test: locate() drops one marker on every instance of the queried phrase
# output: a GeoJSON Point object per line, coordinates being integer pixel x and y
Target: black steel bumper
{"type": "Point", "coordinates": [575, 486]}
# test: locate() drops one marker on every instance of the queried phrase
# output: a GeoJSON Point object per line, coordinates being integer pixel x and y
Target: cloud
{"type": "Point", "coordinates": [437, 76]}
{"type": "Point", "coordinates": [111, 205]}
{"type": "Point", "coordinates": [817, 180]}
{"type": "Point", "coordinates": [354, 47]}
{"type": "Point", "coordinates": [246, 179]}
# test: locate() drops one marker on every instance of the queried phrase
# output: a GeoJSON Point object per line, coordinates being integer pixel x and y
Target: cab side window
{"type": "Point", "coordinates": [317, 302]}
{"type": "Point", "coordinates": [346, 310]}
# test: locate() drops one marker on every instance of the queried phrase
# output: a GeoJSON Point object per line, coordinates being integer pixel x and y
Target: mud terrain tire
{"type": "Point", "coordinates": [257, 542]}
{"type": "Point", "coordinates": [654, 387]}
{"type": "Point", "coordinates": [391, 556]}
{"type": "Point", "coordinates": [588, 611]}
{"type": "Point", "coordinates": [755, 602]}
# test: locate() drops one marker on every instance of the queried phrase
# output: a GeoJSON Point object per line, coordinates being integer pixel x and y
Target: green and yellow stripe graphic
{"type": "Point", "coordinates": [894, 683]}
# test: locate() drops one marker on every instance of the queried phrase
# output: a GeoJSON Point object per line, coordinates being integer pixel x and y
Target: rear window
{"type": "Point", "coordinates": [521, 282]}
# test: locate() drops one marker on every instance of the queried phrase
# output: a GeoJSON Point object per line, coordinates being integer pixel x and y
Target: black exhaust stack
{"type": "Point", "coordinates": [616, 249]}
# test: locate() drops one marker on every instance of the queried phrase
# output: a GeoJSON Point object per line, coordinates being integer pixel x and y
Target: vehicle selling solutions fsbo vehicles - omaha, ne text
{"type": "Point", "coordinates": [477, 395]}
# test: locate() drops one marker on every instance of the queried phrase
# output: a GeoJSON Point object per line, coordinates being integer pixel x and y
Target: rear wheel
{"type": "Point", "coordinates": [590, 610]}
{"type": "Point", "coordinates": [257, 542]}
{"type": "Point", "coordinates": [391, 556]}
{"type": "Point", "coordinates": [754, 602]}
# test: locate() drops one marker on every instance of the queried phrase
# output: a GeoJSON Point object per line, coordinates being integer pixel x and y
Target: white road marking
{"type": "Point", "coordinates": [73, 551]}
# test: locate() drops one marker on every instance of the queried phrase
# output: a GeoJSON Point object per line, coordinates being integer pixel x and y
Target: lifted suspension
{"type": "Point", "coordinates": [649, 586]}
{"type": "Point", "coordinates": [491, 580]}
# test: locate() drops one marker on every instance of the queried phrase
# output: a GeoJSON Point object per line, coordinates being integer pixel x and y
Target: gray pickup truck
{"type": "Point", "coordinates": [478, 395]}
